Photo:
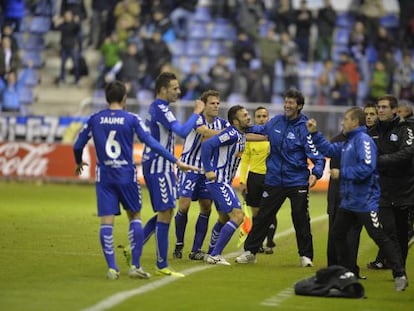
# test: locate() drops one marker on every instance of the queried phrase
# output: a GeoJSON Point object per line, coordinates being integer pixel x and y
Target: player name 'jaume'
{"type": "Point", "coordinates": [112, 120]}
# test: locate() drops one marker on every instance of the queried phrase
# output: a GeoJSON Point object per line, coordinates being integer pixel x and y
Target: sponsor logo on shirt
{"type": "Point", "coordinates": [224, 137]}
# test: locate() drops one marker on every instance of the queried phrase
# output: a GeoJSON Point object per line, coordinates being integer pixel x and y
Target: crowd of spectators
{"type": "Point", "coordinates": [253, 48]}
{"type": "Point", "coordinates": [274, 47]}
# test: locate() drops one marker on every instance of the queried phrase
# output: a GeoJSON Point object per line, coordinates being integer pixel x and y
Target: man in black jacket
{"type": "Point", "coordinates": [393, 137]}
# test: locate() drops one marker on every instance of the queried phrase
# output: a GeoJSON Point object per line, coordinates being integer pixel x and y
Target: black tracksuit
{"type": "Point", "coordinates": [394, 139]}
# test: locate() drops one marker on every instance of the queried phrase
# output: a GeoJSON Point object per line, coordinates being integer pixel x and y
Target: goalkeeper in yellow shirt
{"type": "Point", "coordinates": [252, 174]}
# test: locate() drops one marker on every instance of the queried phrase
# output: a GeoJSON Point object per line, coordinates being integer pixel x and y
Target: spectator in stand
{"type": "Point", "coordinates": [303, 20]}
{"type": "Point", "coordinates": [111, 55]}
{"type": "Point", "coordinates": [193, 83]}
{"type": "Point", "coordinates": [244, 50]}
{"type": "Point", "coordinates": [384, 42]}
{"type": "Point", "coordinates": [8, 32]}
{"type": "Point", "coordinates": [157, 54]}
{"type": "Point", "coordinates": [358, 41]}
{"type": "Point", "coordinates": [14, 12]}
{"type": "Point", "coordinates": [250, 17]}
{"type": "Point", "coordinates": [126, 12]}
{"type": "Point", "coordinates": [341, 90]}
{"type": "Point", "coordinates": [269, 51]}
{"type": "Point", "coordinates": [9, 59]}
{"type": "Point", "coordinates": [98, 22]}
{"type": "Point", "coordinates": [326, 81]}
{"type": "Point", "coordinates": [130, 69]}
{"type": "Point", "coordinates": [159, 21]}
{"type": "Point", "coordinates": [282, 15]}
{"type": "Point", "coordinates": [69, 31]}
{"type": "Point", "coordinates": [11, 89]}
{"type": "Point", "coordinates": [289, 56]}
{"type": "Point", "coordinates": [379, 81]}
{"type": "Point", "coordinates": [326, 21]}
{"type": "Point", "coordinates": [181, 16]}
{"type": "Point", "coordinates": [405, 37]}
{"type": "Point", "coordinates": [371, 12]}
{"type": "Point", "coordinates": [78, 9]}
{"type": "Point", "coordinates": [256, 88]}
{"type": "Point", "coordinates": [221, 77]}
{"type": "Point", "coordinates": [349, 68]}
{"type": "Point", "coordinates": [403, 81]}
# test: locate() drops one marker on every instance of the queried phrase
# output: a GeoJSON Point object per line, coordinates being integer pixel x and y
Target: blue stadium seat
{"type": "Point", "coordinates": [202, 13]}
{"type": "Point", "coordinates": [26, 96]}
{"type": "Point", "coordinates": [278, 85]}
{"type": "Point", "coordinates": [277, 99]}
{"type": "Point", "coordinates": [341, 36]}
{"type": "Point", "coordinates": [223, 31]}
{"type": "Point", "coordinates": [145, 95]}
{"type": "Point", "coordinates": [177, 47]}
{"type": "Point", "coordinates": [32, 79]}
{"type": "Point", "coordinates": [371, 54]}
{"type": "Point", "coordinates": [34, 42]}
{"type": "Point", "coordinates": [215, 48]}
{"type": "Point", "coordinates": [345, 20]}
{"type": "Point", "coordinates": [198, 31]}
{"type": "Point", "coordinates": [390, 21]}
{"type": "Point", "coordinates": [194, 47]}
{"type": "Point", "coordinates": [40, 24]}
{"type": "Point", "coordinates": [35, 57]}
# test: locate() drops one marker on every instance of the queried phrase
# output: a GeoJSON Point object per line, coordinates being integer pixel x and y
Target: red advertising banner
{"type": "Point", "coordinates": [56, 162]}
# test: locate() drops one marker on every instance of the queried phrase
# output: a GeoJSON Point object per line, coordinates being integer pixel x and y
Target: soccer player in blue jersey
{"type": "Point", "coordinates": [192, 184]}
{"type": "Point", "coordinates": [220, 156]}
{"type": "Point", "coordinates": [159, 174]}
{"type": "Point", "coordinates": [113, 131]}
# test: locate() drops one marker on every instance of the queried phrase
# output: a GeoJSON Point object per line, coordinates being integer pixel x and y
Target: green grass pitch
{"type": "Point", "coordinates": [51, 259]}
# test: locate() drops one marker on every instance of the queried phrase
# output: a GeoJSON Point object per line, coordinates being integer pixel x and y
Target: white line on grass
{"type": "Point", "coordinates": [276, 300]}
{"type": "Point", "coordinates": [120, 297]}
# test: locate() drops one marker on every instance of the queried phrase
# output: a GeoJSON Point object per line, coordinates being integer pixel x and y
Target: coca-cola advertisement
{"type": "Point", "coordinates": [43, 161]}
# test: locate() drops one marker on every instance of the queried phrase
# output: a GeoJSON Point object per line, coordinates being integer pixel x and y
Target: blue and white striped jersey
{"type": "Point", "coordinates": [222, 153]}
{"type": "Point", "coordinates": [192, 144]}
{"type": "Point", "coordinates": [113, 135]}
{"type": "Point", "coordinates": [163, 125]}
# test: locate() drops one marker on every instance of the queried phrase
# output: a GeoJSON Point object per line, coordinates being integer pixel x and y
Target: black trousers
{"type": "Point", "coordinates": [344, 221]}
{"type": "Point", "coordinates": [272, 200]}
{"type": "Point", "coordinates": [352, 241]}
{"type": "Point", "coordinates": [395, 222]}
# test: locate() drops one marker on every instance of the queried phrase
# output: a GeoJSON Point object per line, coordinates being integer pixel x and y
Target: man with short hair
{"type": "Point", "coordinates": [159, 174]}
{"type": "Point", "coordinates": [220, 156]}
{"type": "Point", "coordinates": [392, 136]}
{"type": "Point", "coordinates": [287, 176]}
{"type": "Point", "coordinates": [113, 131]}
{"type": "Point", "coordinates": [192, 185]}
{"type": "Point", "coordinates": [360, 191]}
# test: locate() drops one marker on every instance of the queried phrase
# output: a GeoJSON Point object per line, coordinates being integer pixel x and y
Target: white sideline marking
{"type": "Point", "coordinates": [120, 297]}
{"type": "Point", "coordinates": [276, 300]}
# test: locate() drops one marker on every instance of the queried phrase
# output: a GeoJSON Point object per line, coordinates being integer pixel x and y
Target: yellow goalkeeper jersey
{"type": "Point", "coordinates": [254, 159]}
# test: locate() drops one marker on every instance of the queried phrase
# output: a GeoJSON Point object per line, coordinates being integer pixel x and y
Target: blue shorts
{"type": "Point", "coordinates": [162, 189]}
{"type": "Point", "coordinates": [193, 185]}
{"type": "Point", "coordinates": [225, 198]}
{"type": "Point", "coordinates": [109, 195]}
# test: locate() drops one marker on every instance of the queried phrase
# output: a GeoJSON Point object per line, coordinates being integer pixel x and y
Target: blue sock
{"type": "Point", "coordinates": [107, 244]}
{"type": "Point", "coordinates": [214, 236]}
{"type": "Point", "coordinates": [149, 228]}
{"type": "Point", "coordinates": [161, 236]}
{"type": "Point", "coordinates": [201, 231]}
{"type": "Point", "coordinates": [225, 235]}
{"type": "Point", "coordinates": [180, 225]}
{"type": "Point", "coordinates": [136, 237]}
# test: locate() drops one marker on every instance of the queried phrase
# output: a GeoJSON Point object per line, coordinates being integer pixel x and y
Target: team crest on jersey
{"type": "Point", "coordinates": [224, 137]}
{"type": "Point", "coordinates": [290, 135]}
{"type": "Point", "coordinates": [393, 137]}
